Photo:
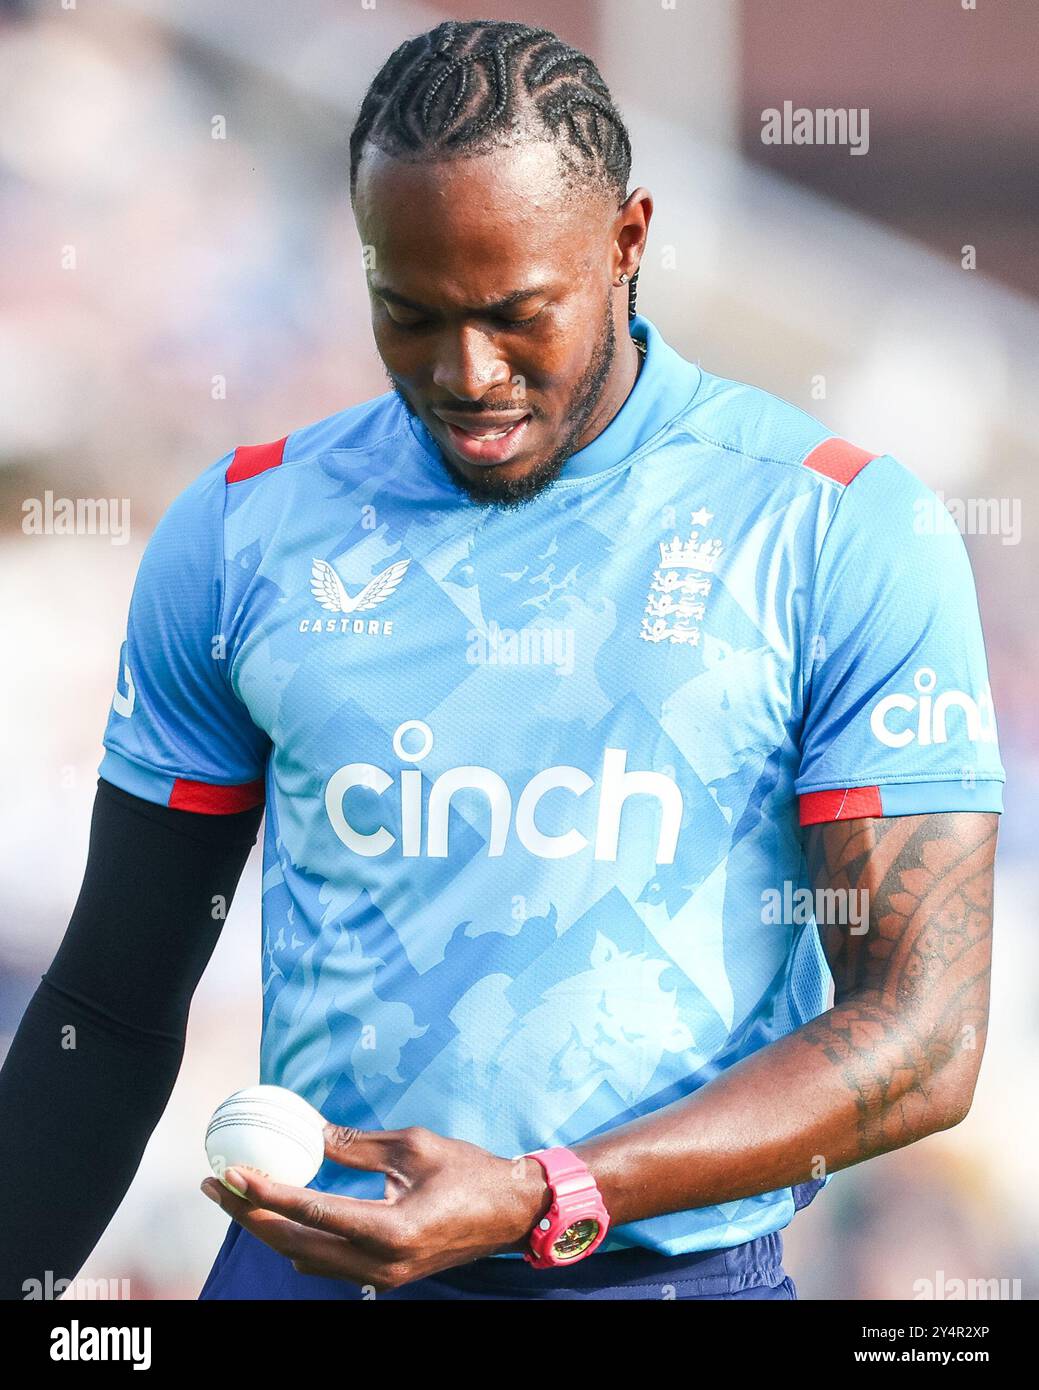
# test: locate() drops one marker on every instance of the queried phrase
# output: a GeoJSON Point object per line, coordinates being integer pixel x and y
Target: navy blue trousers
{"type": "Point", "coordinates": [246, 1268]}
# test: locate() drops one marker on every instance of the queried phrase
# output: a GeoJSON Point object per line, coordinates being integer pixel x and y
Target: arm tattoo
{"type": "Point", "coordinates": [911, 993]}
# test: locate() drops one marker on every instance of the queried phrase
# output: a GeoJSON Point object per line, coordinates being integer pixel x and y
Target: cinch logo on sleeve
{"type": "Point", "coordinates": [431, 838]}
{"type": "Point", "coordinates": [123, 704]}
{"type": "Point", "coordinates": [928, 715]}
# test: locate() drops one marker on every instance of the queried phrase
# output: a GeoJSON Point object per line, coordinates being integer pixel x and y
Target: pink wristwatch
{"type": "Point", "coordinates": [577, 1220]}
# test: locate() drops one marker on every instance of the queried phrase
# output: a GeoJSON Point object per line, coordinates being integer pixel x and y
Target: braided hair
{"type": "Point", "coordinates": [469, 87]}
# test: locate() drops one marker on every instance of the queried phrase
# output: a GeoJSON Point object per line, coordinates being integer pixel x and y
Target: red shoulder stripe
{"type": "Point", "coordinates": [847, 803]}
{"type": "Point", "coordinates": [214, 800]}
{"type": "Point", "coordinates": [838, 459]}
{"type": "Point", "coordinates": [250, 459]}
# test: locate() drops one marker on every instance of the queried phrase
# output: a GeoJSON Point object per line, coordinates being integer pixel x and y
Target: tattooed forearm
{"type": "Point", "coordinates": [895, 1059]}
{"type": "Point", "coordinates": [911, 993]}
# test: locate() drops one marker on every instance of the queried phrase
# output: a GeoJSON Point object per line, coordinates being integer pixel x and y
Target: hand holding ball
{"type": "Point", "coordinates": [268, 1128]}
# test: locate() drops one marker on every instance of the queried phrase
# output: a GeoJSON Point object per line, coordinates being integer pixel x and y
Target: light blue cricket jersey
{"type": "Point", "coordinates": [531, 775]}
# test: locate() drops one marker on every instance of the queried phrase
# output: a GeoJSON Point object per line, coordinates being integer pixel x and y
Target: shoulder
{"type": "Point", "coordinates": [868, 503]}
{"type": "Point", "coordinates": [259, 473]}
{"type": "Point", "coordinates": [761, 428]}
{"type": "Point", "coordinates": [365, 427]}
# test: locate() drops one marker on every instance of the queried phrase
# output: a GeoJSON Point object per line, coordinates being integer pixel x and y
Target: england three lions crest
{"type": "Point", "coordinates": [680, 586]}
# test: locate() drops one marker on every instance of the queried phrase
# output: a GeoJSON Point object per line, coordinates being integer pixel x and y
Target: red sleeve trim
{"type": "Point", "coordinates": [847, 803]}
{"type": "Point", "coordinates": [250, 459]}
{"type": "Point", "coordinates": [214, 800]}
{"type": "Point", "coordinates": [838, 459]}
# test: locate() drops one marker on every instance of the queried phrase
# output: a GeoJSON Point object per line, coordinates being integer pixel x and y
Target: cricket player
{"type": "Point", "coordinates": [602, 714]}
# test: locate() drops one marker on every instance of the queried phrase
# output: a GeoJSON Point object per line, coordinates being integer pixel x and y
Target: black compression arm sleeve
{"type": "Point", "coordinates": [97, 1052]}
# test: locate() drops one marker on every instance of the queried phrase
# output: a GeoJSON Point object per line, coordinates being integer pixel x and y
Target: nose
{"type": "Point", "coordinates": [469, 365]}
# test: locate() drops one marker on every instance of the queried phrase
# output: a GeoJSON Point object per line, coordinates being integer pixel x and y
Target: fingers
{"type": "Point", "coordinates": [345, 1237]}
{"type": "Point", "coordinates": [311, 1251]}
{"type": "Point", "coordinates": [372, 1150]}
{"type": "Point", "coordinates": [369, 1222]}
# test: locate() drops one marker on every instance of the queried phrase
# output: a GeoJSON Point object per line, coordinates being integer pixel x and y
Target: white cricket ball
{"type": "Point", "coordinates": [268, 1128]}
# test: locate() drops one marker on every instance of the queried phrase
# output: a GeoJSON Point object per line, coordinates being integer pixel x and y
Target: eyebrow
{"type": "Point", "coordinates": [514, 297]}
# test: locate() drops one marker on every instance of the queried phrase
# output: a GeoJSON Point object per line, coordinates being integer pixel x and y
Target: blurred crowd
{"type": "Point", "coordinates": [182, 274]}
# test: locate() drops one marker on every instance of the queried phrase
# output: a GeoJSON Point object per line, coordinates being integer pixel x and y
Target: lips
{"type": "Point", "coordinates": [485, 439]}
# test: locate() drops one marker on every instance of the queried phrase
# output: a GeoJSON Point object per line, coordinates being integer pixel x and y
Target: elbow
{"type": "Point", "coordinates": [955, 1077]}
{"type": "Point", "coordinates": [953, 1099]}
{"type": "Point", "coordinates": [953, 1114]}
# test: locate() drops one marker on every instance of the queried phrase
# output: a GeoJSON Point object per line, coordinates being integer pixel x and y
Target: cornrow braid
{"type": "Point", "coordinates": [632, 292]}
{"type": "Point", "coordinates": [469, 87]}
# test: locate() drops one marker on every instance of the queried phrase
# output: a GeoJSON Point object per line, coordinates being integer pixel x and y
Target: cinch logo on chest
{"type": "Point", "coordinates": [429, 836]}
{"type": "Point", "coordinates": [330, 592]}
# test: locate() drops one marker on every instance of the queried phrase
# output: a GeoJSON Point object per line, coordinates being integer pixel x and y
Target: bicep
{"type": "Point", "coordinates": [918, 935]}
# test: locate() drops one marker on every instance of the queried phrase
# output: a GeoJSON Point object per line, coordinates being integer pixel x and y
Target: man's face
{"type": "Point", "coordinates": [492, 310]}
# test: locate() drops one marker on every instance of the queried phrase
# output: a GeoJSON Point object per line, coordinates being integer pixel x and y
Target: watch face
{"type": "Point", "coordinates": [576, 1239]}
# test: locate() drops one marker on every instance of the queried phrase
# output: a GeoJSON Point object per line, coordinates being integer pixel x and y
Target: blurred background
{"type": "Point", "coordinates": [181, 274]}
